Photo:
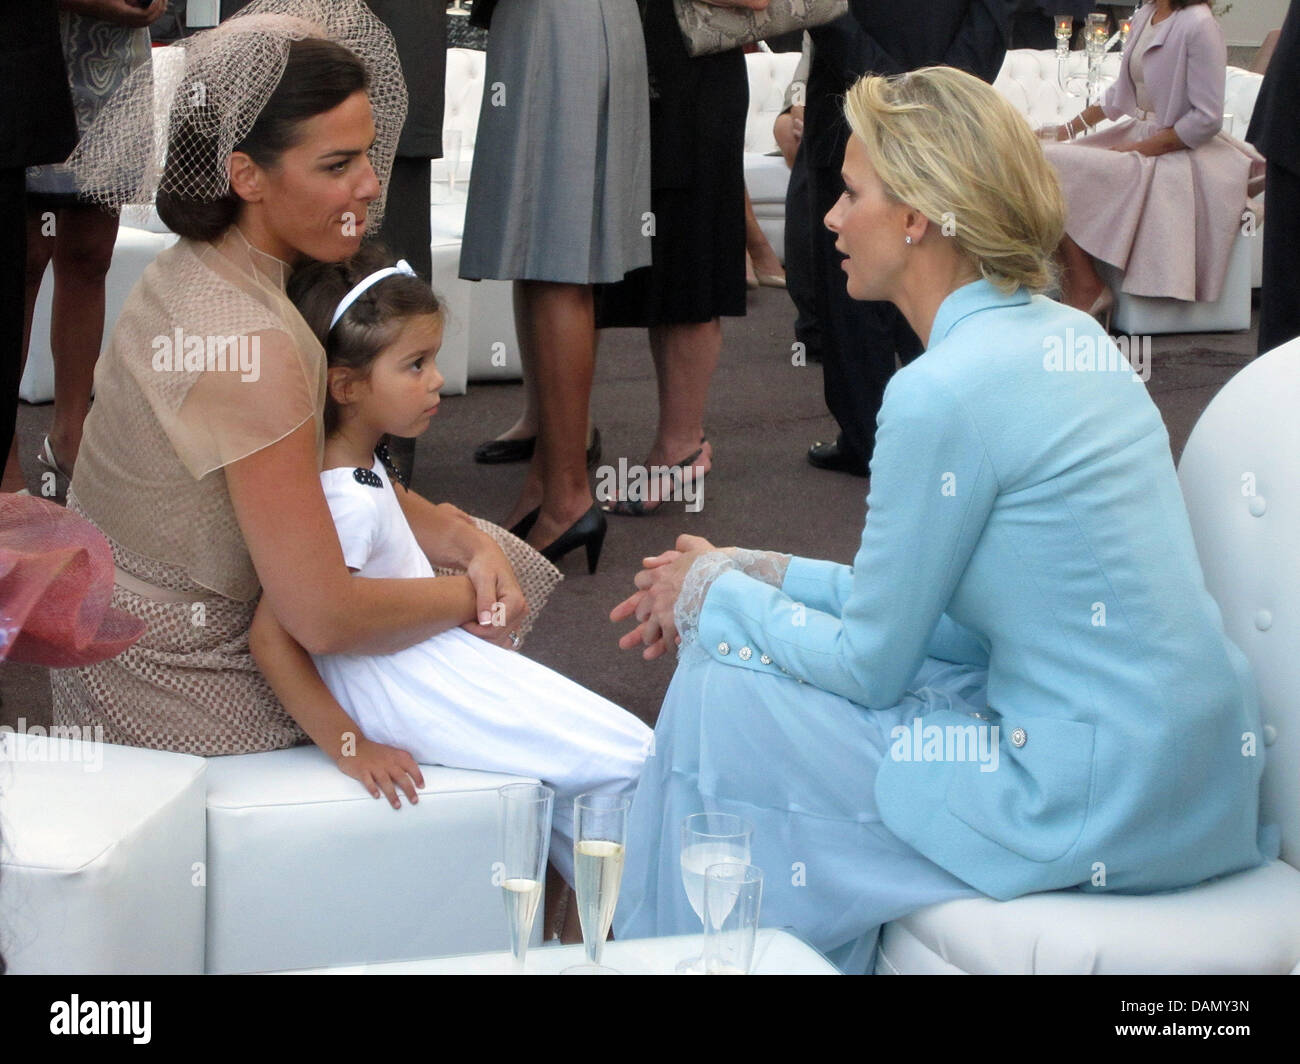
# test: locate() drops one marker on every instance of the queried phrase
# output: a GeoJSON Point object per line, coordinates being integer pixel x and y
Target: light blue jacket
{"type": "Point", "coordinates": [1024, 514]}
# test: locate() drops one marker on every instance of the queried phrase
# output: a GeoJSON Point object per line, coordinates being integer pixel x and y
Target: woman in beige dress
{"type": "Point", "coordinates": [201, 455]}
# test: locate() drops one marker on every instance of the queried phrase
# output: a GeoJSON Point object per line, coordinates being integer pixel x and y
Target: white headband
{"type": "Point", "coordinates": [402, 267]}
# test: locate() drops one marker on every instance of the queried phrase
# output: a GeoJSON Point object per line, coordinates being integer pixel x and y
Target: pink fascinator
{"type": "Point", "coordinates": [56, 582]}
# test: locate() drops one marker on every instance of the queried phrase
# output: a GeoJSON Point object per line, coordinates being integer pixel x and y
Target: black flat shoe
{"type": "Point", "coordinates": [588, 531]}
{"type": "Point", "coordinates": [498, 452]}
{"type": "Point", "coordinates": [830, 456]}
{"type": "Point", "coordinates": [524, 525]}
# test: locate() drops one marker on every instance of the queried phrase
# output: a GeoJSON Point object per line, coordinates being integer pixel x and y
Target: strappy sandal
{"type": "Point", "coordinates": [639, 508]}
{"type": "Point", "coordinates": [50, 464]}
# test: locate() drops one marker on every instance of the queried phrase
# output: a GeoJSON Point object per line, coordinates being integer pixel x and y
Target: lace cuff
{"type": "Point", "coordinates": [767, 566]}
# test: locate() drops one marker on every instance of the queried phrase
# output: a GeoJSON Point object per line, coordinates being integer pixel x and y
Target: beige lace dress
{"type": "Point", "coordinates": [209, 362]}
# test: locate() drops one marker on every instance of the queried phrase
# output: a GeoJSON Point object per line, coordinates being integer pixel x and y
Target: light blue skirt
{"type": "Point", "coordinates": [800, 764]}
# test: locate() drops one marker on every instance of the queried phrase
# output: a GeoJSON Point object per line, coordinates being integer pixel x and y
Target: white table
{"type": "Point", "coordinates": [775, 953]}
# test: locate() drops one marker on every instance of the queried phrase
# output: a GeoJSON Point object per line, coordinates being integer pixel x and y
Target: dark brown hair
{"type": "Point", "coordinates": [318, 76]}
{"type": "Point", "coordinates": [374, 319]}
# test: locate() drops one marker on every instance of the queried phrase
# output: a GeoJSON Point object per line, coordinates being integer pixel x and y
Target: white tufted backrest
{"type": "Point", "coordinates": [1239, 96]}
{"type": "Point", "coordinates": [464, 92]}
{"type": "Point", "coordinates": [769, 76]}
{"type": "Point", "coordinates": [1029, 79]}
{"type": "Point", "coordinates": [1240, 475]}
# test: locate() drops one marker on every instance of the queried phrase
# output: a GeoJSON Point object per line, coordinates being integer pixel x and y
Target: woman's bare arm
{"type": "Point", "coordinates": [286, 524]}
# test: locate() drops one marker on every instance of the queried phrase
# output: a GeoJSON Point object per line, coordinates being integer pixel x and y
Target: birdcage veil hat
{"type": "Point", "coordinates": [174, 122]}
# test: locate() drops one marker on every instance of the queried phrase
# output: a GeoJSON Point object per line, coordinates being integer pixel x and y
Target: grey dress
{"type": "Point", "coordinates": [100, 55]}
{"type": "Point", "coordinates": [560, 185]}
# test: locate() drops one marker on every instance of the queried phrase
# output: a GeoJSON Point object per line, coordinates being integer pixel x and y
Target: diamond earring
{"type": "Point", "coordinates": [907, 239]}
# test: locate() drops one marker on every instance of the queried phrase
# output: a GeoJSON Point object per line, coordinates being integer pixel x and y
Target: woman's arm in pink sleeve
{"type": "Point", "coordinates": [1207, 73]}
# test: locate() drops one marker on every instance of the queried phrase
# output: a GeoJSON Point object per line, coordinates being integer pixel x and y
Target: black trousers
{"type": "Point", "coordinates": [859, 339]}
{"type": "Point", "coordinates": [405, 231]}
{"type": "Point", "coordinates": [13, 289]}
{"type": "Point", "coordinates": [800, 272]}
{"type": "Point", "coordinates": [1279, 297]}
{"type": "Point", "coordinates": [406, 234]}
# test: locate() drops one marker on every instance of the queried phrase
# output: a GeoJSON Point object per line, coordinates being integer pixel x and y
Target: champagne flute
{"type": "Point", "coordinates": [599, 833]}
{"type": "Point", "coordinates": [525, 843]}
{"type": "Point", "coordinates": [733, 895]}
{"type": "Point", "coordinates": [709, 839]}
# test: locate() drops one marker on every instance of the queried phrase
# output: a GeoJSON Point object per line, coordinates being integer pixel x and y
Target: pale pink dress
{"type": "Point", "coordinates": [1169, 221]}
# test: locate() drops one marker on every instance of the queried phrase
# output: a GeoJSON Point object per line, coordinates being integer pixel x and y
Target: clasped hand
{"type": "Point", "coordinates": [659, 583]}
{"type": "Point", "coordinates": [499, 601]}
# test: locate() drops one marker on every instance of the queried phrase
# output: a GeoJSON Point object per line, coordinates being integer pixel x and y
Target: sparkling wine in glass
{"type": "Point", "coordinates": [709, 839]}
{"type": "Point", "coordinates": [599, 834]}
{"type": "Point", "coordinates": [525, 843]}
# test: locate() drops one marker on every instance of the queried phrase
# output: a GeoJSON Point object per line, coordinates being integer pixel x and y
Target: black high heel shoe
{"type": "Point", "coordinates": [524, 525]}
{"type": "Point", "coordinates": [588, 531]}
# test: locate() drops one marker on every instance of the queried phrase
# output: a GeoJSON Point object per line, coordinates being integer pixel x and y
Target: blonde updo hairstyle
{"type": "Point", "coordinates": [945, 143]}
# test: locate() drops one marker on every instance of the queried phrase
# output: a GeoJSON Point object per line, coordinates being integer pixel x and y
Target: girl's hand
{"type": "Point", "coordinates": [500, 601]}
{"type": "Point", "coordinates": [383, 768]}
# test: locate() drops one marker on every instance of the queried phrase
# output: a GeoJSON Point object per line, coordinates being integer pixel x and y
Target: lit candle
{"type": "Point", "coordinates": [1064, 27]}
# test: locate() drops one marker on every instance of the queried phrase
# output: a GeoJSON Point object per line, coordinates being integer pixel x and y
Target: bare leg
{"type": "Point", "coordinates": [1080, 282]}
{"type": "Point", "coordinates": [39, 250]}
{"type": "Point", "coordinates": [83, 251]}
{"type": "Point", "coordinates": [559, 321]}
{"type": "Point", "coordinates": [685, 358]}
{"type": "Point", "coordinates": [760, 250]}
{"type": "Point", "coordinates": [527, 424]}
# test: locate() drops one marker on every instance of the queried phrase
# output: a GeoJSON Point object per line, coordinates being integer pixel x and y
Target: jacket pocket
{"type": "Point", "coordinates": [1036, 800]}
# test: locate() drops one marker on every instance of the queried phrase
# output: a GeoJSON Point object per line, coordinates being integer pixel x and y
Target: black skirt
{"type": "Point", "coordinates": [697, 142]}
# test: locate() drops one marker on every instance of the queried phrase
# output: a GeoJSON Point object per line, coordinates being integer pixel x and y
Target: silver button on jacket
{"type": "Point", "coordinates": [724, 648]}
{"type": "Point", "coordinates": [1019, 737]}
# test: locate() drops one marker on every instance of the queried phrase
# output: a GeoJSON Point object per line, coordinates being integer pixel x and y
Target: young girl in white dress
{"type": "Point", "coordinates": [457, 699]}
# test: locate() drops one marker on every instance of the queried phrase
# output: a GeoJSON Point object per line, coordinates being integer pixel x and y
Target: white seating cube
{"type": "Point", "coordinates": [103, 858]}
{"type": "Point", "coordinates": [306, 870]}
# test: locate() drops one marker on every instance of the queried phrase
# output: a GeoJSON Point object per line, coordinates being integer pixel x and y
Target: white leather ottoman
{"type": "Point", "coordinates": [1146, 316]}
{"type": "Point", "coordinates": [306, 870]}
{"type": "Point", "coordinates": [102, 858]}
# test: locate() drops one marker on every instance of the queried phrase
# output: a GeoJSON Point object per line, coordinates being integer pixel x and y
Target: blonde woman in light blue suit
{"type": "Point", "coordinates": [1021, 684]}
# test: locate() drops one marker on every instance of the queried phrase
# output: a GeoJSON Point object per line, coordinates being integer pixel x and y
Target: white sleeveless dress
{"type": "Point", "coordinates": [459, 701]}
